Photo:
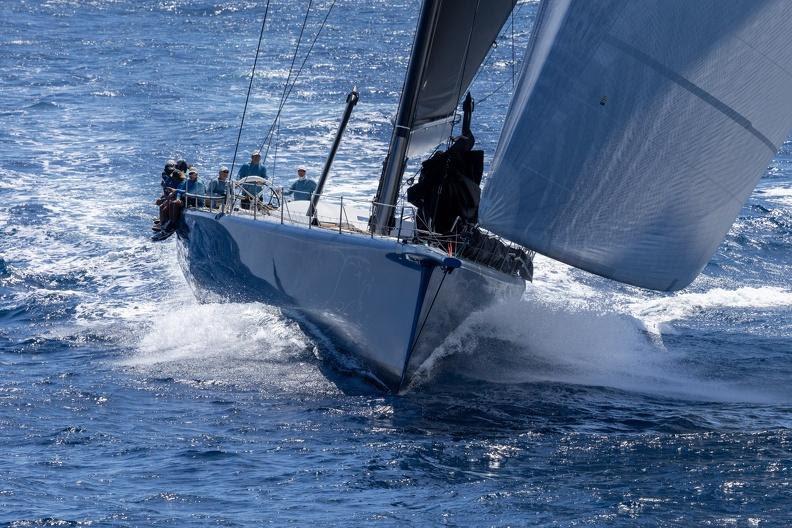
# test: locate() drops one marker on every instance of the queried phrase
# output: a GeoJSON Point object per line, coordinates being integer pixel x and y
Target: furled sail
{"type": "Point", "coordinates": [637, 131]}
{"type": "Point", "coordinates": [462, 34]}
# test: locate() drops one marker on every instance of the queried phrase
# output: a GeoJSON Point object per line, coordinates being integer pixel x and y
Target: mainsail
{"type": "Point", "coordinates": [463, 33]}
{"type": "Point", "coordinates": [637, 131]}
{"type": "Point", "coordinates": [451, 41]}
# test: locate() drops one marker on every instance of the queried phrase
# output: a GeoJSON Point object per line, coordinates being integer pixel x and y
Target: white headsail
{"type": "Point", "coordinates": [637, 131]}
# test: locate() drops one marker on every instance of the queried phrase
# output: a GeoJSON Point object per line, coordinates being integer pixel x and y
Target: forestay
{"type": "Point", "coordinates": [637, 131]}
{"type": "Point", "coordinates": [463, 33]}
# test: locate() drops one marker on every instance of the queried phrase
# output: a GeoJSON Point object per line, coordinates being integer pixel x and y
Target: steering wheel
{"type": "Point", "coordinates": [273, 201]}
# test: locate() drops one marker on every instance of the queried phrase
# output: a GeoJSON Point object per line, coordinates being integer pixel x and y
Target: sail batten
{"type": "Point", "coordinates": [637, 131]}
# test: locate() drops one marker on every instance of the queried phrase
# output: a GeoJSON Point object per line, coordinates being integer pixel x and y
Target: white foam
{"type": "Point", "coordinates": [781, 195]}
{"type": "Point", "coordinates": [539, 341]}
{"type": "Point", "coordinates": [249, 345]}
{"type": "Point", "coordinates": [657, 312]}
{"type": "Point", "coordinates": [534, 340]}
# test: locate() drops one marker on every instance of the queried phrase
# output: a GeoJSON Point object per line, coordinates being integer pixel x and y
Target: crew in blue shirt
{"type": "Point", "coordinates": [302, 188]}
{"type": "Point", "coordinates": [218, 187]}
{"type": "Point", "coordinates": [192, 185]}
{"type": "Point", "coordinates": [254, 168]}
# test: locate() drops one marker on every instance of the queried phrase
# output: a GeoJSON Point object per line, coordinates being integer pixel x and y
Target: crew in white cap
{"type": "Point", "coordinates": [193, 186]}
{"type": "Point", "coordinates": [302, 188]}
{"type": "Point", "coordinates": [218, 187]}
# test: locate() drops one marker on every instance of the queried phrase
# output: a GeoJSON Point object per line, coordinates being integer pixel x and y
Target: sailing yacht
{"type": "Point", "coordinates": [636, 132]}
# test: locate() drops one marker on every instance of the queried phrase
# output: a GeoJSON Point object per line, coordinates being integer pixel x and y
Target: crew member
{"type": "Point", "coordinates": [302, 188]}
{"type": "Point", "coordinates": [164, 202]}
{"type": "Point", "coordinates": [182, 165]}
{"type": "Point", "coordinates": [218, 187]}
{"type": "Point", "coordinates": [166, 181]}
{"type": "Point", "coordinates": [171, 208]}
{"type": "Point", "coordinates": [254, 168]}
{"type": "Point", "coordinates": [192, 186]}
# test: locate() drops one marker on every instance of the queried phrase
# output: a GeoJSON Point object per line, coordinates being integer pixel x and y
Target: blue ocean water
{"type": "Point", "coordinates": [125, 402]}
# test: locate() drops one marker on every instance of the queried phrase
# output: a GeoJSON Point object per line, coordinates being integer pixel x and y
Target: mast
{"type": "Point", "coordinates": [393, 167]}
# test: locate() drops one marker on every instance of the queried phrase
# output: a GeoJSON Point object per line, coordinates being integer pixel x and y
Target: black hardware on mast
{"type": "Point", "coordinates": [467, 114]}
{"type": "Point", "coordinates": [351, 101]}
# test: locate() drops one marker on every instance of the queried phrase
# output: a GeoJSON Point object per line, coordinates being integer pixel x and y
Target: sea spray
{"type": "Point", "coordinates": [245, 345]}
{"type": "Point", "coordinates": [538, 340]}
{"type": "Point", "coordinates": [658, 312]}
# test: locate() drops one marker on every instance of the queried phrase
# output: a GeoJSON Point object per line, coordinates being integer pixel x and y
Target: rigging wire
{"type": "Point", "coordinates": [515, 14]}
{"type": "Point", "coordinates": [250, 87]}
{"type": "Point", "coordinates": [275, 154]}
{"type": "Point", "coordinates": [409, 181]}
{"type": "Point", "coordinates": [268, 139]}
{"type": "Point", "coordinates": [493, 92]}
{"type": "Point", "coordinates": [288, 78]}
{"type": "Point", "coordinates": [446, 271]}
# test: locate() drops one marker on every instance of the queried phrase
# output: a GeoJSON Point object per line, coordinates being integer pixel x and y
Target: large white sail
{"type": "Point", "coordinates": [637, 131]}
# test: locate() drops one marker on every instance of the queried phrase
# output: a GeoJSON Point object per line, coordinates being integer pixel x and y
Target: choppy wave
{"type": "Point", "coordinates": [124, 400]}
{"type": "Point", "coordinates": [657, 313]}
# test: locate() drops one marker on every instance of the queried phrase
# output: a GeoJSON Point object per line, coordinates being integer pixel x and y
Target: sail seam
{"type": "Point", "coordinates": [692, 88]}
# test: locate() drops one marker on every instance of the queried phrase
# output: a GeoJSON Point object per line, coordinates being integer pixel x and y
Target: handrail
{"type": "Point", "coordinates": [337, 220]}
{"type": "Point", "coordinates": [338, 217]}
{"type": "Point", "coordinates": [409, 211]}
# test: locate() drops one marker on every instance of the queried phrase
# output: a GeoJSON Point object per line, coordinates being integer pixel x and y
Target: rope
{"type": "Point", "coordinates": [297, 76]}
{"type": "Point", "coordinates": [250, 87]}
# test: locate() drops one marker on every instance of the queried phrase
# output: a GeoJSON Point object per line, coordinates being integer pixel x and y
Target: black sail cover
{"type": "Point", "coordinates": [448, 189]}
{"type": "Point", "coordinates": [464, 32]}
